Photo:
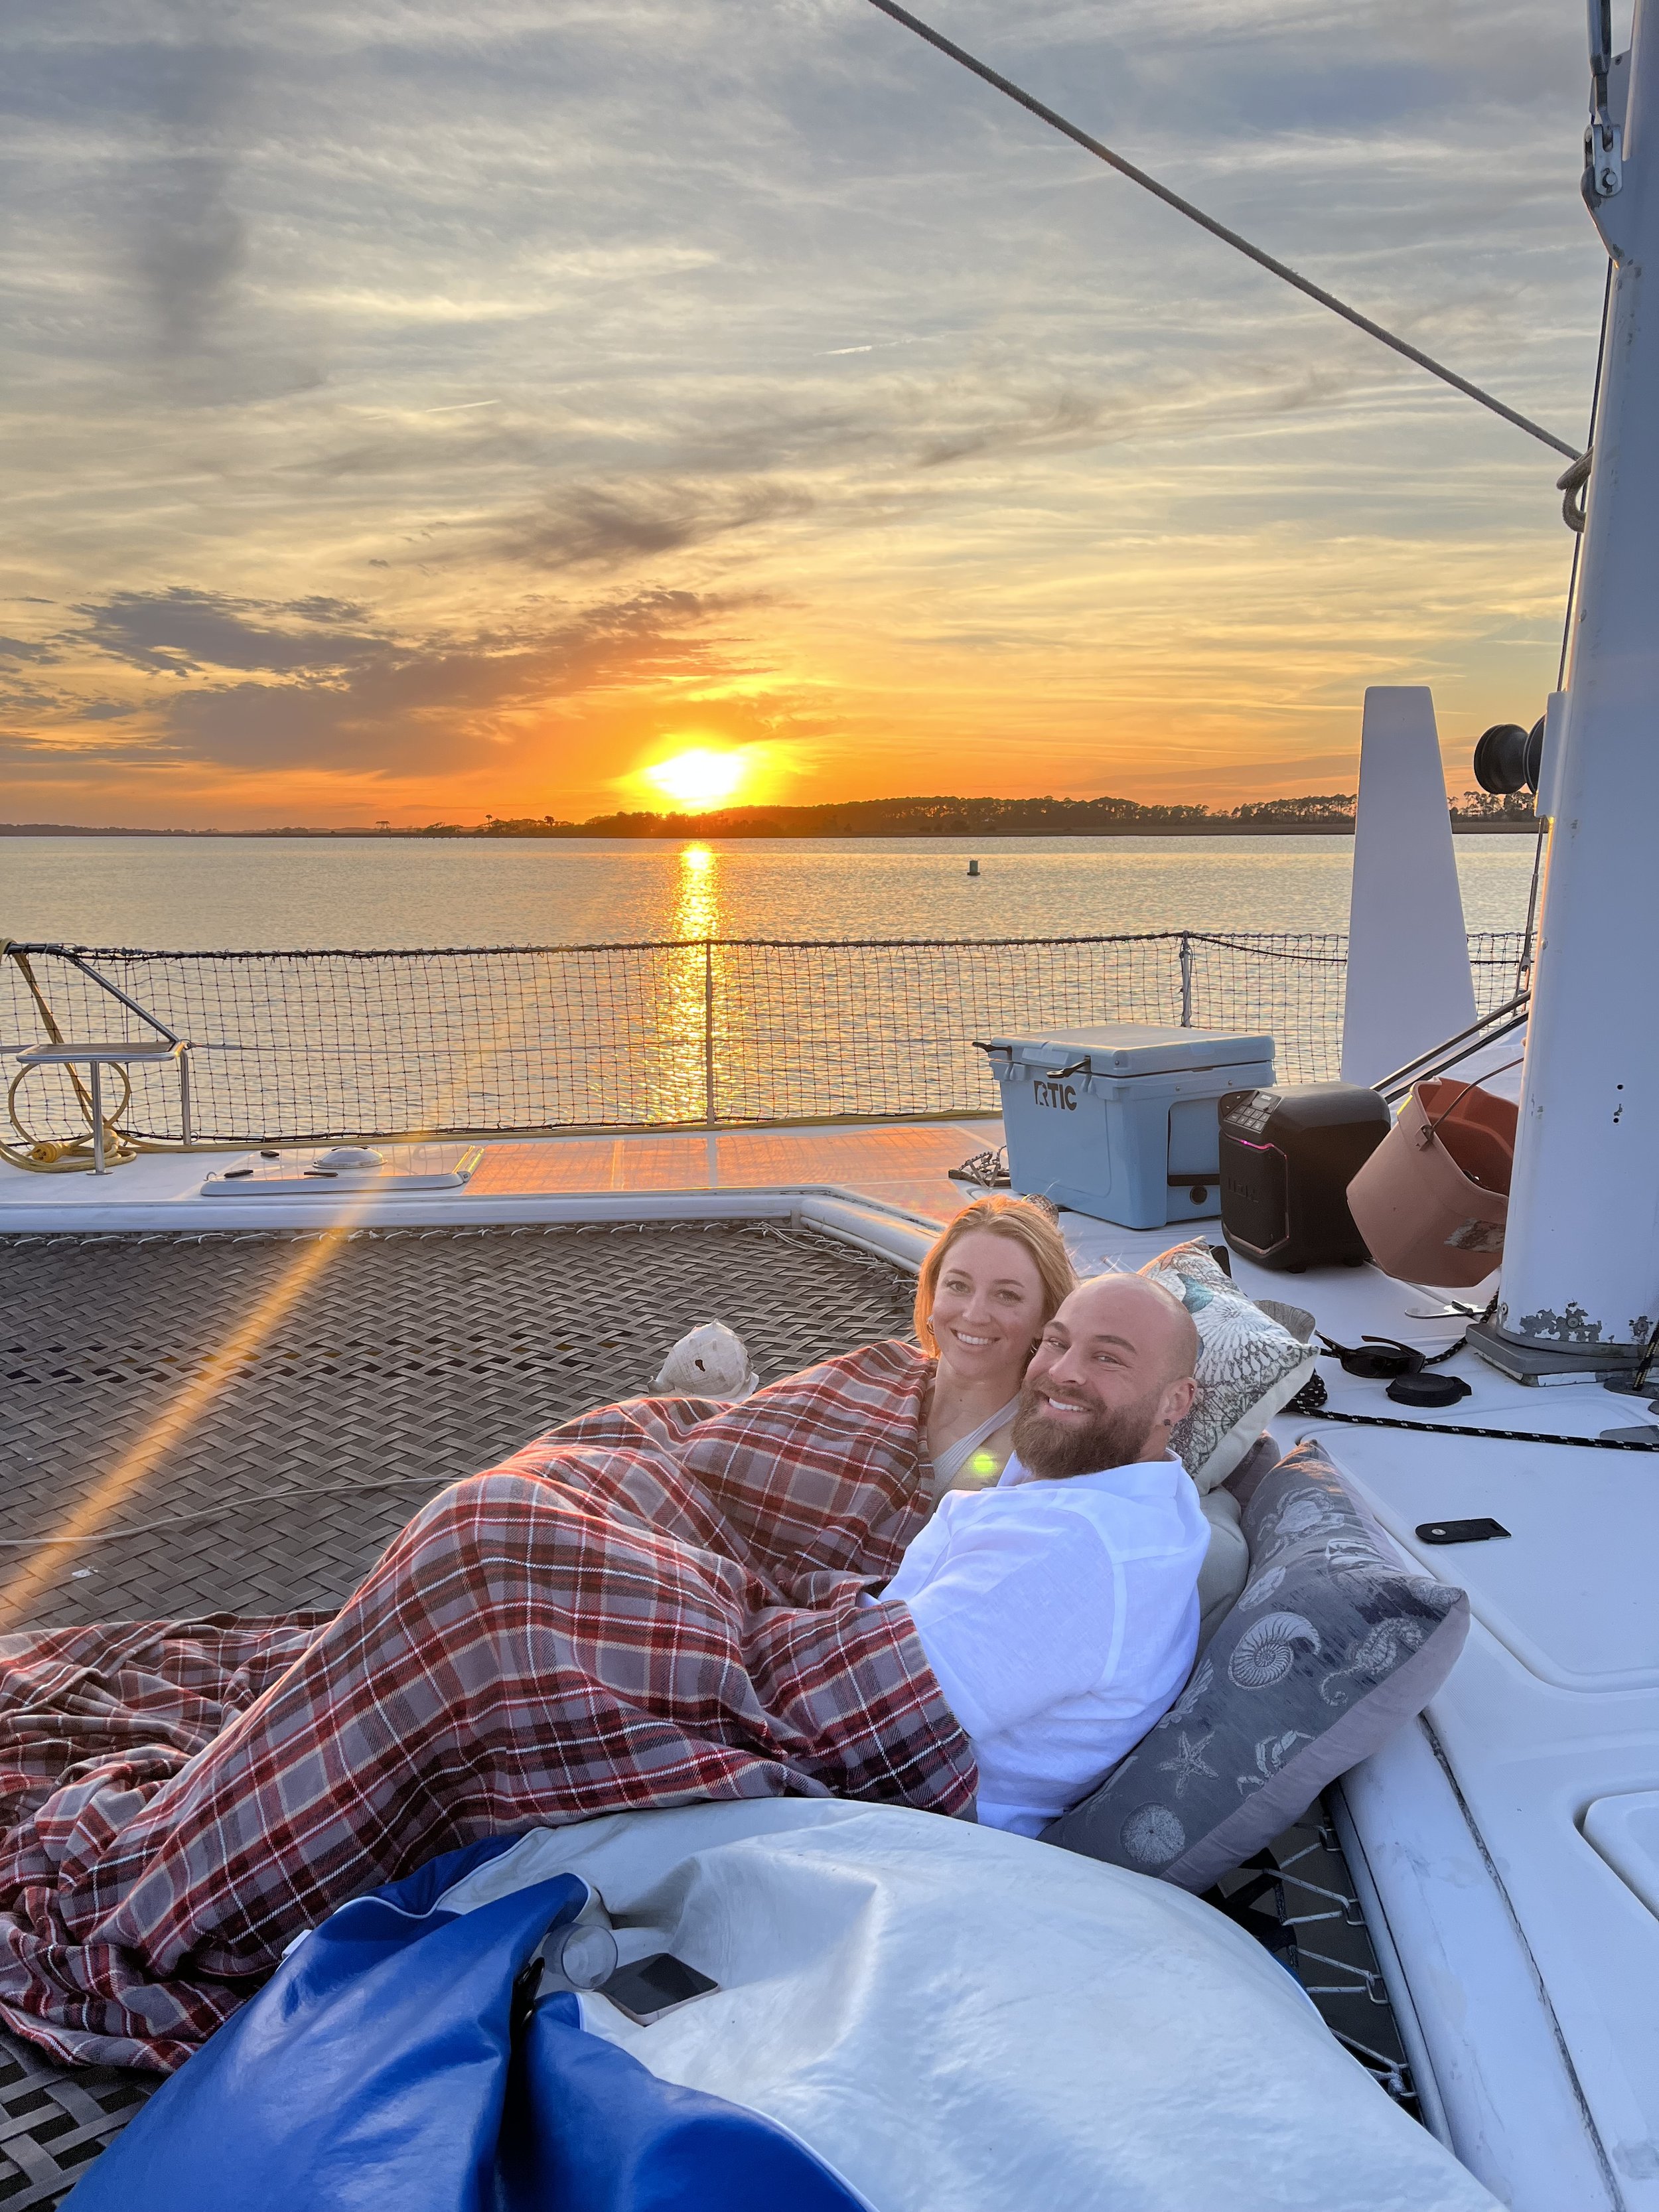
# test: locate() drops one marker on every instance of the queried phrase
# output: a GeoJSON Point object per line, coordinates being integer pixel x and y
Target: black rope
{"type": "Point", "coordinates": [1502, 1436]}
{"type": "Point", "coordinates": [1263, 260]}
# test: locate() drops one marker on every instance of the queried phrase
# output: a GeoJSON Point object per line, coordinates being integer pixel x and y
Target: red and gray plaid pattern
{"type": "Point", "coordinates": [645, 1608]}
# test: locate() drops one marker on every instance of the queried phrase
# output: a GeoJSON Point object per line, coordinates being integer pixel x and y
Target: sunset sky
{"type": "Point", "coordinates": [418, 410]}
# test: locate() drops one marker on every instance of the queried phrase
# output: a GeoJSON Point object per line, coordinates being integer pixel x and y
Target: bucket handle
{"type": "Point", "coordinates": [1430, 1128]}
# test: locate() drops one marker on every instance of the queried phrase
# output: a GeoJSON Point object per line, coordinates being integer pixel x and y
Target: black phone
{"type": "Point", "coordinates": [1459, 1532]}
{"type": "Point", "coordinates": [650, 1987]}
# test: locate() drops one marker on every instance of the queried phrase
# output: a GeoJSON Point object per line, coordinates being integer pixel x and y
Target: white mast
{"type": "Point", "coordinates": [1581, 1262]}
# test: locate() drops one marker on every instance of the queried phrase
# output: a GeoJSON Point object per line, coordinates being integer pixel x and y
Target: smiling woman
{"type": "Point", "coordinates": [700, 777]}
{"type": "Point", "coordinates": [985, 1293]}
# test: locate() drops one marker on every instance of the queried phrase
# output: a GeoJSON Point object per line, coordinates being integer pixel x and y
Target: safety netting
{"type": "Point", "coordinates": [290, 1046]}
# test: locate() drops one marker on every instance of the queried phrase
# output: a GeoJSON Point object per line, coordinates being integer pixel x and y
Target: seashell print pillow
{"type": "Point", "coordinates": [1333, 1645]}
{"type": "Point", "coordinates": [1249, 1363]}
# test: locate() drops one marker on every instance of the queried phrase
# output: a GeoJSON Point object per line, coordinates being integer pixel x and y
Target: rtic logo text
{"type": "Point", "coordinates": [1058, 1095]}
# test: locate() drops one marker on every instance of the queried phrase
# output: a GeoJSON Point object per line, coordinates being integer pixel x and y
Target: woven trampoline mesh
{"type": "Point", "coordinates": [411, 1358]}
{"type": "Point", "coordinates": [54, 2122]}
{"type": "Point", "coordinates": [414, 1357]}
{"type": "Point", "coordinates": [290, 1046]}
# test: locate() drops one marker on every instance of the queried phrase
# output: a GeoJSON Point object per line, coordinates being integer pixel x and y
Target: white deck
{"type": "Point", "coordinates": [1522, 1956]}
{"type": "Point", "coordinates": [1532, 1957]}
{"type": "Point", "coordinates": [885, 1170]}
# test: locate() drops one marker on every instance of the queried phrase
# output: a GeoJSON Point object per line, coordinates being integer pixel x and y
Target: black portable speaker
{"type": "Point", "coordinates": [1287, 1157]}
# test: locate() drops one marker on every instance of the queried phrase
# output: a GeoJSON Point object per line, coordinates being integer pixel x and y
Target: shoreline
{"type": "Point", "coordinates": [679, 834]}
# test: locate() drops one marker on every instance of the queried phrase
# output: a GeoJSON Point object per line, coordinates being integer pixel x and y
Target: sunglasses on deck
{"type": "Point", "coordinates": [1381, 1359]}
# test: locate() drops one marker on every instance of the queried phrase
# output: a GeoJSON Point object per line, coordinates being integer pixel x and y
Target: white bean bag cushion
{"type": "Point", "coordinates": [956, 2020]}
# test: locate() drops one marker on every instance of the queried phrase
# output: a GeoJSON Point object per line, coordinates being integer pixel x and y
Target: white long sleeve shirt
{"type": "Point", "coordinates": [1060, 1619]}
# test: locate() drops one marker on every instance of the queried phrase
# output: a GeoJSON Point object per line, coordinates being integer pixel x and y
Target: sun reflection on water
{"type": "Point", "coordinates": [696, 895]}
{"type": "Point", "coordinates": [694, 1009]}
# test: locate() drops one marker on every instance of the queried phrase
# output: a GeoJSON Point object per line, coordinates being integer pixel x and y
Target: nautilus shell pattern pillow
{"type": "Point", "coordinates": [1331, 1647]}
{"type": "Point", "coordinates": [1249, 1363]}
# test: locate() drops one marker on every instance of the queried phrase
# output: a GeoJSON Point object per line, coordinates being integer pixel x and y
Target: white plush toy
{"type": "Point", "coordinates": [708, 1361]}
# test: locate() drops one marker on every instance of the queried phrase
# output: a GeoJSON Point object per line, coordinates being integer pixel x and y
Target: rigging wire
{"type": "Point", "coordinates": [1265, 260]}
{"type": "Point", "coordinates": [1577, 527]}
{"type": "Point", "coordinates": [1574, 514]}
{"type": "Point", "coordinates": [1523, 964]}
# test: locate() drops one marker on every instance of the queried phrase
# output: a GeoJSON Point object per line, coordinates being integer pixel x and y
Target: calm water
{"type": "Point", "coordinates": [245, 895]}
{"type": "Point", "coordinates": [504, 1040]}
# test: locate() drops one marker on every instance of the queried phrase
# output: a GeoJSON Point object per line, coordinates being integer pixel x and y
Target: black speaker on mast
{"type": "Point", "coordinates": [1507, 758]}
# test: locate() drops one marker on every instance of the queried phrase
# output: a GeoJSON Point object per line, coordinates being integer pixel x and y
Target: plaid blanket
{"type": "Point", "coordinates": [652, 1605]}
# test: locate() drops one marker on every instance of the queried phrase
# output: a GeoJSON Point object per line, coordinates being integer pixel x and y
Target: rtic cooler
{"type": "Point", "coordinates": [1120, 1120]}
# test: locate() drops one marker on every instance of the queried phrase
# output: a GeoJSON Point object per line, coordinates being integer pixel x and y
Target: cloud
{"type": "Point", "coordinates": [189, 243]}
{"type": "Point", "coordinates": [32, 756]}
{"type": "Point", "coordinates": [328, 687]}
{"type": "Point", "coordinates": [804, 379]}
{"type": "Point", "coordinates": [587, 526]}
{"type": "Point", "coordinates": [403, 704]}
{"type": "Point", "coordinates": [178, 632]}
{"type": "Point", "coordinates": [187, 240]}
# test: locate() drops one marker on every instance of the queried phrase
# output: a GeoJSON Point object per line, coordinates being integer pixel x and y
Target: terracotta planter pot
{"type": "Point", "coordinates": [1432, 1199]}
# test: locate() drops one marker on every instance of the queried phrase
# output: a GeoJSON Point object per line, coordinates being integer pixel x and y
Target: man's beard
{"type": "Point", "coordinates": [1115, 1436]}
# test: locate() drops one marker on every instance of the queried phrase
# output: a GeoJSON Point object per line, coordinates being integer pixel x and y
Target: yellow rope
{"type": "Point", "coordinates": [73, 1155]}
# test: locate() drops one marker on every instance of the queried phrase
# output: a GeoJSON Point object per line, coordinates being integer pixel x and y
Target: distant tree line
{"type": "Point", "coordinates": [881, 818]}
{"type": "Point", "coordinates": [1482, 806]}
{"type": "Point", "coordinates": [1332, 811]}
{"type": "Point", "coordinates": [1321, 806]}
{"type": "Point", "coordinates": [968, 817]}
{"type": "Point", "coordinates": [859, 817]}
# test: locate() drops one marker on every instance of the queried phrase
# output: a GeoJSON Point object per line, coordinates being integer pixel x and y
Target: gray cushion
{"type": "Point", "coordinates": [1226, 1567]}
{"type": "Point", "coordinates": [1332, 1645]}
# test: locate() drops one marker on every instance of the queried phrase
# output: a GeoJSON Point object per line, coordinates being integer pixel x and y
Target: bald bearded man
{"type": "Point", "coordinates": [1059, 1611]}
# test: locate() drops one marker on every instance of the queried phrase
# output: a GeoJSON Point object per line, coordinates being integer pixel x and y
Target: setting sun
{"type": "Point", "coordinates": [700, 777]}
